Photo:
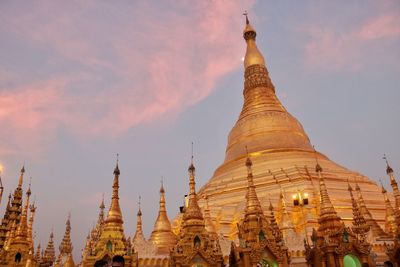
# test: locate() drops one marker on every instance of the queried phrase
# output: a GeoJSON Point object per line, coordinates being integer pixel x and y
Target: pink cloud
{"type": "Point", "coordinates": [384, 26]}
{"type": "Point", "coordinates": [333, 49]}
{"type": "Point", "coordinates": [120, 73]}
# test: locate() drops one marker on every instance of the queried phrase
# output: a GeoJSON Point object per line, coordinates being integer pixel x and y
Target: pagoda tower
{"type": "Point", "coordinates": [333, 243]}
{"type": "Point", "coordinates": [162, 236]}
{"type": "Point", "coordinates": [18, 247]}
{"type": "Point", "coordinates": [195, 245]}
{"type": "Point", "coordinates": [260, 239]}
{"type": "Point", "coordinates": [13, 211]}
{"type": "Point", "coordinates": [49, 255]}
{"type": "Point", "coordinates": [65, 258]}
{"type": "Point", "coordinates": [283, 157]}
{"type": "Point", "coordinates": [112, 241]}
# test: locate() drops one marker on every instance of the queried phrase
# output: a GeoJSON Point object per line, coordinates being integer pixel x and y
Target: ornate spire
{"type": "Point", "coordinates": [49, 255]}
{"type": "Point", "coordinates": [32, 209]}
{"type": "Point", "coordinates": [253, 55]}
{"type": "Point", "coordinates": [395, 187]}
{"type": "Point", "coordinates": [264, 124]}
{"type": "Point", "coordinates": [328, 217]}
{"type": "Point", "coordinates": [192, 215]}
{"type": "Point", "coordinates": [391, 225]}
{"type": "Point", "coordinates": [253, 204]}
{"type": "Point", "coordinates": [22, 230]}
{"type": "Point", "coordinates": [162, 236]}
{"type": "Point", "coordinates": [66, 244]}
{"type": "Point", "coordinates": [276, 232]}
{"type": "Point", "coordinates": [375, 228]}
{"type": "Point", "coordinates": [360, 226]}
{"type": "Point", "coordinates": [21, 177]}
{"type": "Point", "coordinates": [139, 231]}
{"type": "Point", "coordinates": [115, 214]}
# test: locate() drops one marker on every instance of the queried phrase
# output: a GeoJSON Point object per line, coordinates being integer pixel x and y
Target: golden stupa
{"type": "Point", "coordinates": [283, 165]}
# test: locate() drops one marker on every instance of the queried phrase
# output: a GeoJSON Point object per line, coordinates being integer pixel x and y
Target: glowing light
{"type": "Point", "coordinates": [242, 58]}
{"type": "Point", "coordinates": [1, 168]}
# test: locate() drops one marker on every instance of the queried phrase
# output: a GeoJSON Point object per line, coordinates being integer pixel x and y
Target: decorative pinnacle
{"type": "Point", "coordinates": [389, 169]}
{"type": "Point", "coordinates": [140, 209]}
{"type": "Point", "coordinates": [191, 167]}
{"type": "Point", "coordinates": [162, 185]}
{"type": "Point", "coordinates": [116, 170]}
{"type": "Point", "coordinates": [29, 187]}
{"type": "Point", "coordinates": [23, 168]}
{"type": "Point", "coordinates": [247, 19]}
{"type": "Point", "coordinates": [318, 167]}
{"type": "Point", "coordinates": [249, 163]}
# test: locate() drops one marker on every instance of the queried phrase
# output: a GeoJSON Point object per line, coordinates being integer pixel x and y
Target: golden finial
{"type": "Point", "coordinates": [116, 170]}
{"type": "Point", "coordinates": [318, 167]}
{"type": "Point", "coordinates": [389, 169]}
{"type": "Point", "coordinates": [191, 167]}
{"type": "Point", "coordinates": [245, 14]}
{"type": "Point", "coordinates": [162, 185]}
{"type": "Point", "coordinates": [139, 204]}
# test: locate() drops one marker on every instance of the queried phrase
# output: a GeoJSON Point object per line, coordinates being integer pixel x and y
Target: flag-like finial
{"type": "Point", "coordinates": [245, 13]}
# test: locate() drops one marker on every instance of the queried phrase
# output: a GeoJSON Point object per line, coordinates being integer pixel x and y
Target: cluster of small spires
{"type": "Point", "coordinates": [107, 236]}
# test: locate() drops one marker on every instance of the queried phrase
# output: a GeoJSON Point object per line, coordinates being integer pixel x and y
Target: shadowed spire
{"type": "Point", "coordinates": [22, 230]}
{"type": "Point", "coordinates": [328, 219]}
{"type": "Point", "coordinates": [49, 255]}
{"type": "Point", "coordinates": [394, 185]}
{"type": "Point", "coordinates": [139, 230]}
{"type": "Point", "coordinates": [360, 226]}
{"type": "Point", "coordinates": [390, 218]}
{"type": "Point", "coordinates": [375, 227]}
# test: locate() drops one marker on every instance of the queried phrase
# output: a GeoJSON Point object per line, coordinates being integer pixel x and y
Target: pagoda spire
{"type": "Point", "coordinates": [393, 183]}
{"type": "Point", "coordinates": [285, 221]}
{"type": "Point", "coordinates": [253, 204]}
{"type": "Point", "coordinates": [1, 189]}
{"type": "Point", "coordinates": [32, 209]}
{"type": "Point", "coordinates": [66, 244]}
{"type": "Point", "coordinates": [328, 219]}
{"type": "Point", "coordinates": [360, 226]}
{"type": "Point", "coordinates": [263, 124]}
{"type": "Point", "coordinates": [375, 227]}
{"type": "Point", "coordinates": [66, 247]}
{"type": "Point", "coordinates": [49, 255]}
{"type": "Point", "coordinates": [115, 214]}
{"type": "Point", "coordinates": [254, 220]}
{"type": "Point", "coordinates": [391, 225]}
{"type": "Point", "coordinates": [276, 232]}
{"type": "Point", "coordinates": [192, 215]}
{"type": "Point", "coordinates": [21, 176]}
{"type": "Point", "coordinates": [162, 236]}
{"type": "Point", "coordinates": [22, 230]}
{"type": "Point", "coordinates": [253, 55]}
{"type": "Point", "coordinates": [139, 231]}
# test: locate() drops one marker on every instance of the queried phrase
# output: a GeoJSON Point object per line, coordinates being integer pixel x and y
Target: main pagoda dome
{"type": "Point", "coordinates": [283, 165]}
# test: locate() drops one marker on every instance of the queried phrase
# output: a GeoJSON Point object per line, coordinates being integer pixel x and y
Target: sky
{"type": "Point", "coordinates": [81, 81]}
